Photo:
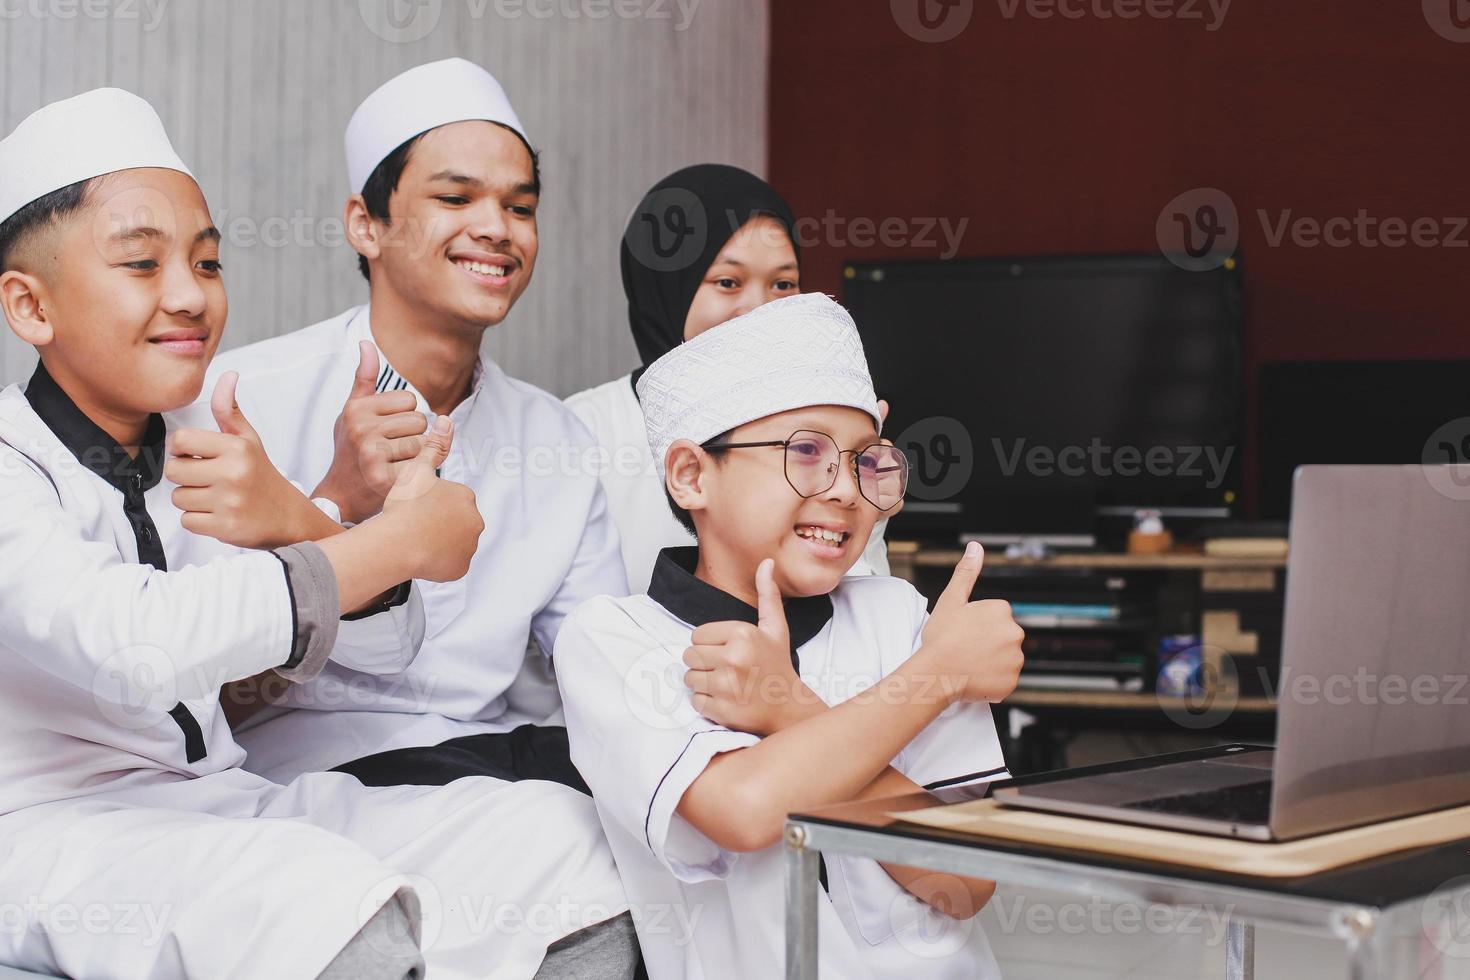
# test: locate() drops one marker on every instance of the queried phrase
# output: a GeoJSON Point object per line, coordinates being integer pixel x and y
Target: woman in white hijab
{"type": "Point", "coordinates": [706, 244]}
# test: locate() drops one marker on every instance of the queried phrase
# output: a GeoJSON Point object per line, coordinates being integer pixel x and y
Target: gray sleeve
{"type": "Point", "coordinates": [315, 609]}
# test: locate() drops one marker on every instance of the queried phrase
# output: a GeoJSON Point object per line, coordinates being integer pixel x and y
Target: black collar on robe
{"type": "Point", "coordinates": [100, 453]}
{"type": "Point", "coordinates": [675, 235]}
{"type": "Point", "coordinates": [131, 476]}
{"type": "Point", "coordinates": [696, 602]}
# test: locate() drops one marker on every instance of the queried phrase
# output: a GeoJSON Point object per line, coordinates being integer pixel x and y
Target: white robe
{"type": "Point", "coordinates": [635, 495]}
{"type": "Point", "coordinates": [121, 858]}
{"type": "Point", "coordinates": [548, 545]}
{"type": "Point", "coordinates": [705, 913]}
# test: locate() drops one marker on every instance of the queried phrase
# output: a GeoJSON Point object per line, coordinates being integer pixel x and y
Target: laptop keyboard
{"type": "Point", "coordinates": [1246, 803]}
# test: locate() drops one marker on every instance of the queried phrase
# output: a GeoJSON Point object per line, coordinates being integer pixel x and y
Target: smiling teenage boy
{"type": "Point", "coordinates": [442, 214]}
{"type": "Point", "coordinates": [120, 786]}
{"type": "Point", "coordinates": [754, 679]}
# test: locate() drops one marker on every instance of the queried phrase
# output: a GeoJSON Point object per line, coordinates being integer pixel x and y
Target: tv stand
{"type": "Point", "coordinates": [1185, 592]}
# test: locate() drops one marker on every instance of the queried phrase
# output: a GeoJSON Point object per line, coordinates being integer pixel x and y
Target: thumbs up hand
{"type": "Point", "coordinates": [973, 648]}
{"type": "Point", "coordinates": [440, 518]}
{"type": "Point", "coordinates": [741, 675]}
{"type": "Point", "coordinates": [374, 435]}
{"type": "Point", "coordinates": [228, 488]}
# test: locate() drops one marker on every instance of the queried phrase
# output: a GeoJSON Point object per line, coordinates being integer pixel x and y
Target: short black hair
{"type": "Point", "coordinates": [686, 519]}
{"type": "Point", "coordinates": [383, 181]}
{"type": "Point", "coordinates": [44, 211]}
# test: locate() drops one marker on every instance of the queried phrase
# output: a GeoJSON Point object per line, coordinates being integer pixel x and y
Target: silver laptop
{"type": "Point", "coordinates": [1373, 718]}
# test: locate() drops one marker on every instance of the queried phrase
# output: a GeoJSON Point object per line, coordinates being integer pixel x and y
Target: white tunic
{"type": "Point", "coordinates": [635, 494]}
{"type": "Point", "coordinates": [548, 545]}
{"type": "Point", "coordinates": [121, 857]}
{"type": "Point", "coordinates": [704, 912]}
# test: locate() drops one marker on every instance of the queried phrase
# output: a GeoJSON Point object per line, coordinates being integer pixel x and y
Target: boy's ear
{"type": "Point", "coordinates": [361, 229]}
{"type": "Point", "coordinates": [21, 299]}
{"type": "Point", "coordinates": [685, 466]}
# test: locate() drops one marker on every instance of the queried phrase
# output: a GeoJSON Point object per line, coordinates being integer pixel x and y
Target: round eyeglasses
{"type": "Point", "coordinates": [812, 461]}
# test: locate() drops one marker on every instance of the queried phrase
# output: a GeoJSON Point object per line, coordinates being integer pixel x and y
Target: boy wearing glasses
{"type": "Point", "coordinates": [754, 679]}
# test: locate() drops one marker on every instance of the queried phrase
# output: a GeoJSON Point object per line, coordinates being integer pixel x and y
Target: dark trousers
{"type": "Point", "coordinates": [527, 752]}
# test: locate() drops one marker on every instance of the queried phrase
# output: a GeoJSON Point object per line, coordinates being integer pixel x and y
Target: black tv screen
{"type": "Point", "coordinates": [1034, 395]}
{"type": "Point", "coordinates": [1358, 412]}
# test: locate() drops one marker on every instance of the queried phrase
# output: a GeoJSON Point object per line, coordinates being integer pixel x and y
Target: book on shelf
{"type": "Point", "coordinates": [1246, 547]}
{"type": "Point", "coordinates": [1060, 610]}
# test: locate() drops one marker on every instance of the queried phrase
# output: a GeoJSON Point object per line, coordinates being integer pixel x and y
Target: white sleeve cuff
{"type": "Point", "coordinates": [384, 643]}
{"type": "Point", "coordinates": [684, 850]}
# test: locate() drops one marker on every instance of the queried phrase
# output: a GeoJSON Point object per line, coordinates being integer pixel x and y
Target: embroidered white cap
{"type": "Point", "coordinates": [421, 99]}
{"type": "Point", "coordinates": [790, 353]}
{"type": "Point", "coordinates": [89, 135]}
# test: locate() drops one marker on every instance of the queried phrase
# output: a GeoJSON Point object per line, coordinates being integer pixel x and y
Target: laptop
{"type": "Point", "coordinates": [1373, 713]}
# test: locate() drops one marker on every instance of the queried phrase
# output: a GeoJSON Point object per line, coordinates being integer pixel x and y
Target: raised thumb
{"type": "Point", "coordinates": [966, 574]}
{"type": "Point", "coordinates": [365, 382]}
{"type": "Point", "coordinates": [436, 445]}
{"type": "Point", "coordinates": [770, 612]}
{"type": "Point", "coordinates": [226, 409]}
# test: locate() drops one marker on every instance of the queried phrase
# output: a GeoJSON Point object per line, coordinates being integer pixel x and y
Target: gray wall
{"type": "Point", "coordinates": [255, 94]}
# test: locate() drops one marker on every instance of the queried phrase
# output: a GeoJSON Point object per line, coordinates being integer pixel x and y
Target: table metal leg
{"type": "Point", "coordinates": [1360, 960]}
{"type": "Point", "coordinates": [1240, 949]}
{"type": "Point", "coordinates": [801, 906]}
{"type": "Point", "coordinates": [1357, 928]}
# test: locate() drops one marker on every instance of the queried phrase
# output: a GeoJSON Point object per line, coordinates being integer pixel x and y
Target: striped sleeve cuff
{"type": "Point", "coordinates": [315, 609]}
{"type": "Point", "coordinates": [988, 775]}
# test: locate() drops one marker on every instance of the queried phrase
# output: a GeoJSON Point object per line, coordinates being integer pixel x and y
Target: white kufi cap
{"type": "Point", "coordinates": [421, 99]}
{"type": "Point", "coordinates": [92, 134]}
{"type": "Point", "coordinates": [791, 353]}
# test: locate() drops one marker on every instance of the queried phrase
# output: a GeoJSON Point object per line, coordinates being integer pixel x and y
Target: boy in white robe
{"type": "Point", "coordinates": [442, 213]}
{"type": "Point", "coordinates": [121, 791]}
{"type": "Point", "coordinates": [754, 679]}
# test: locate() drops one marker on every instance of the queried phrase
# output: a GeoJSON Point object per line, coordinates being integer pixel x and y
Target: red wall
{"type": "Point", "coordinates": [1071, 135]}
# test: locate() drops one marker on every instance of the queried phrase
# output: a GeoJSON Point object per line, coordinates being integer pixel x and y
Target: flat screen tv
{"type": "Point", "coordinates": [1038, 397]}
{"type": "Point", "coordinates": [1357, 412]}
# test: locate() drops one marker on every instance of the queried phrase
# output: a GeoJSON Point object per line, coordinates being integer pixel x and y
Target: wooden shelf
{"type": "Point", "coordinates": [1134, 700]}
{"type": "Point", "coordinates": [907, 552]}
{"type": "Point", "coordinates": [1252, 716]}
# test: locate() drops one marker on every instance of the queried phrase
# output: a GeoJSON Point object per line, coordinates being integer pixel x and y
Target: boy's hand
{"type": "Point", "coordinates": [975, 647]}
{"type": "Point", "coordinates": [229, 489]}
{"type": "Point", "coordinates": [438, 519]}
{"type": "Point", "coordinates": [742, 676]}
{"type": "Point", "coordinates": [374, 435]}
